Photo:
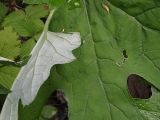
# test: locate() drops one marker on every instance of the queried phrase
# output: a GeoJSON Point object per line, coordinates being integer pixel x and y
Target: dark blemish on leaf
{"type": "Point", "coordinates": [138, 87]}
{"type": "Point", "coordinates": [125, 54]}
{"type": "Point", "coordinates": [58, 100]}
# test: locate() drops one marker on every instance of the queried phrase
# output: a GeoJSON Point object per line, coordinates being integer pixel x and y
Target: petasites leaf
{"type": "Point", "coordinates": [96, 84]}
{"type": "Point", "coordinates": [52, 48]}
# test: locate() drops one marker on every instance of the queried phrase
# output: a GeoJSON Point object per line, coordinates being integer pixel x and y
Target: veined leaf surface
{"type": "Point", "coordinates": [96, 84]}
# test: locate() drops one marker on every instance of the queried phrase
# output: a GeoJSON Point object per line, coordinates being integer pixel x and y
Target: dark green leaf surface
{"type": "Point", "coordinates": [7, 75]}
{"type": "Point", "coordinates": [3, 11]}
{"type": "Point", "coordinates": [36, 1]}
{"type": "Point", "coordinates": [56, 3]}
{"type": "Point", "coordinates": [96, 83]}
{"type": "Point", "coordinates": [4, 90]}
{"type": "Point", "coordinates": [51, 3]}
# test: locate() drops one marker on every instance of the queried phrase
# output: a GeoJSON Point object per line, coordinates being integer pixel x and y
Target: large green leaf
{"type": "Point", "coordinates": [96, 84]}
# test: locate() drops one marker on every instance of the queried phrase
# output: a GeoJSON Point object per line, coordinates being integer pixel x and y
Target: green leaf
{"type": "Point", "coordinates": [48, 112]}
{"type": "Point", "coordinates": [36, 1]}
{"type": "Point", "coordinates": [9, 47]}
{"type": "Point", "coordinates": [72, 4]}
{"type": "Point", "coordinates": [104, 80]}
{"type": "Point", "coordinates": [36, 12]}
{"type": "Point", "coordinates": [56, 3]}
{"type": "Point", "coordinates": [7, 75]}
{"type": "Point", "coordinates": [96, 84]}
{"type": "Point", "coordinates": [51, 3]}
{"type": "Point", "coordinates": [3, 11]}
{"type": "Point", "coordinates": [3, 90]}
{"type": "Point", "coordinates": [27, 47]}
{"type": "Point", "coordinates": [149, 108]}
{"type": "Point", "coordinates": [27, 23]}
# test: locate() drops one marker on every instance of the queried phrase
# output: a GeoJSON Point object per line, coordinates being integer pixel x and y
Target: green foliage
{"type": "Point", "coordinates": [26, 47]}
{"type": "Point", "coordinates": [3, 11]}
{"type": "Point", "coordinates": [72, 4]}
{"type": "Point", "coordinates": [3, 90]}
{"type": "Point", "coordinates": [7, 75]}
{"type": "Point", "coordinates": [36, 1]}
{"type": "Point", "coordinates": [47, 112]}
{"type": "Point", "coordinates": [96, 84]}
{"type": "Point", "coordinates": [9, 48]}
{"type": "Point", "coordinates": [51, 3]}
{"type": "Point", "coordinates": [57, 3]}
{"type": "Point", "coordinates": [27, 23]}
{"type": "Point", "coordinates": [10, 45]}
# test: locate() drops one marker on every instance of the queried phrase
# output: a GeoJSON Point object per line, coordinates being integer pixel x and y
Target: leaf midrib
{"type": "Point", "coordinates": [98, 67]}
